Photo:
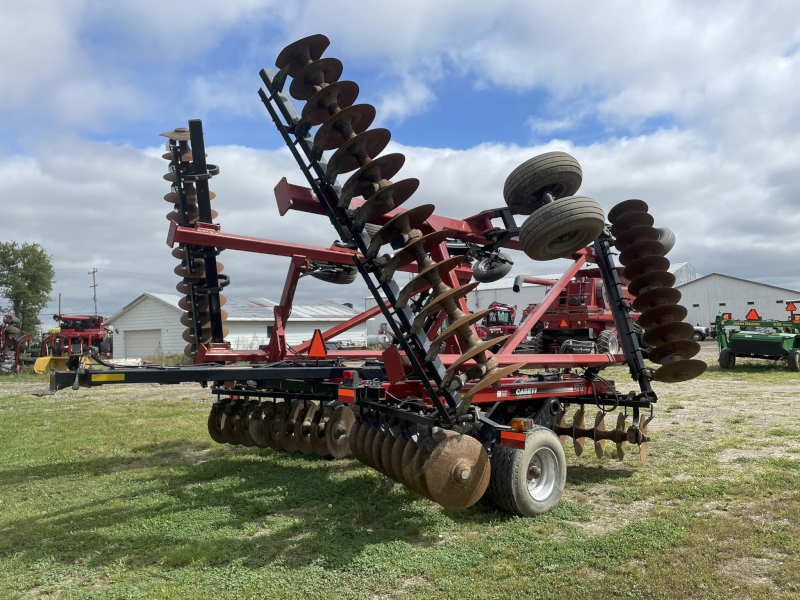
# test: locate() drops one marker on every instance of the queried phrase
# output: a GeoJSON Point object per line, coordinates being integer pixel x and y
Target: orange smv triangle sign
{"type": "Point", "coordinates": [318, 349]}
{"type": "Point", "coordinates": [563, 322]}
{"type": "Point", "coordinates": [752, 315]}
{"type": "Point", "coordinates": [791, 307]}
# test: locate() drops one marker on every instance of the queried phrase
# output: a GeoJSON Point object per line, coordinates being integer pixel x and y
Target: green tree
{"type": "Point", "coordinates": [26, 280]}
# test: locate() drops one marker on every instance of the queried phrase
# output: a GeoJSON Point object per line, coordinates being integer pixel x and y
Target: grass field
{"type": "Point", "coordinates": [118, 492]}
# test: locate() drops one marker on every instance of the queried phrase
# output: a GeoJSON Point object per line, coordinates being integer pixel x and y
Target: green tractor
{"type": "Point", "coordinates": [751, 340]}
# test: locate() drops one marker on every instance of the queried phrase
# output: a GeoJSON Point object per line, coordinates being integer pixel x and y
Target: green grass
{"type": "Point", "coordinates": [118, 493]}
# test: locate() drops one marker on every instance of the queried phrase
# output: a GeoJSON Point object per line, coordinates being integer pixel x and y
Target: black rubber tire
{"type": "Point", "coordinates": [347, 275]}
{"type": "Point", "coordinates": [697, 336]}
{"type": "Point", "coordinates": [727, 359]}
{"type": "Point", "coordinates": [666, 238]}
{"type": "Point", "coordinates": [577, 218]}
{"type": "Point", "coordinates": [794, 360]}
{"type": "Point", "coordinates": [372, 229]}
{"type": "Point", "coordinates": [607, 342]}
{"type": "Point", "coordinates": [537, 344]}
{"type": "Point", "coordinates": [554, 172]}
{"type": "Point", "coordinates": [105, 347]}
{"type": "Point", "coordinates": [508, 486]}
{"type": "Point", "coordinates": [487, 270]}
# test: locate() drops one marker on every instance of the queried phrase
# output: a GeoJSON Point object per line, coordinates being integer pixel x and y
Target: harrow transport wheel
{"type": "Point", "coordinates": [337, 431]}
{"type": "Point", "coordinates": [554, 172]}
{"type": "Point", "coordinates": [561, 228]}
{"type": "Point", "coordinates": [492, 268]}
{"type": "Point", "coordinates": [607, 342]}
{"type": "Point", "coordinates": [458, 471]}
{"type": "Point", "coordinates": [342, 274]}
{"type": "Point", "coordinates": [529, 481]}
{"type": "Point", "coordinates": [727, 359]}
{"type": "Point", "coordinates": [794, 359]}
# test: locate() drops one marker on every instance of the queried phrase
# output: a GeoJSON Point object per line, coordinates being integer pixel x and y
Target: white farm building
{"type": "Point", "coordinates": [150, 325]}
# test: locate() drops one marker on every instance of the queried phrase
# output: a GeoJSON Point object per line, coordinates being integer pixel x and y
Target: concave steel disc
{"type": "Point", "coordinates": [386, 200]}
{"type": "Point", "coordinates": [640, 250]}
{"type": "Point", "coordinates": [267, 415]}
{"type": "Point", "coordinates": [407, 466]}
{"type": "Point", "coordinates": [366, 450]}
{"type": "Point", "coordinates": [666, 313]}
{"type": "Point", "coordinates": [421, 280]}
{"type": "Point", "coordinates": [680, 370]}
{"type": "Point", "coordinates": [197, 273]}
{"type": "Point", "coordinates": [338, 95]}
{"type": "Point", "coordinates": [353, 152]}
{"type": "Point", "coordinates": [646, 264]}
{"type": "Point", "coordinates": [400, 223]}
{"type": "Point", "coordinates": [668, 332]}
{"type": "Point", "coordinates": [297, 54]}
{"type": "Point", "coordinates": [179, 134]}
{"type": "Point", "coordinates": [310, 78]}
{"type": "Point", "coordinates": [435, 305]}
{"type": "Point", "coordinates": [319, 441]}
{"type": "Point", "coordinates": [354, 431]}
{"type": "Point", "coordinates": [578, 422]}
{"type": "Point", "coordinates": [420, 467]}
{"type": "Point", "coordinates": [599, 426]}
{"type": "Point", "coordinates": [406, 255]}
{"type": "Point", "coordinates": [256, 427]}
{"type": "Point", "coordinates": [366, 181]}
{"type": "Point", "coordinates": [471, 353]}
{"type": "Point", "coordinates": [334, 132]}
{"type": "Point", "coordinates": [375, 449]}
{"type": "Point", "coordinates": [191, 198]}
{"type": "Point", "coordinates": [386, 452]}
{"type": "Point", "coordinates": [622, 446]}
{"type": "Point", "coordinates": [363, 457]}
{"type": "Point", "coordinates": [631, 219]}
{"type": "Point", "coordinates": [457, 472]}
{"type": "Point", "coordinates": [643, 445]}
{"type": "Point", "coordinates": [654, 279]}
{"type": "Point", "coordinates": [304, 423]}
{"type": "Point", "coordinates": [337, 432]}
{"type": "Point", "coordinates": [279, 417]}
{"type": "Point", "coordinates": [286, 433]}
{"type": "Point", "coordinates": [656, 297]}
{"type": "Point", "coordinates": [635, 234]}
{"type": "Point", "coordinates": [682, 349]}
{"type": "Point", "coordinates": [626, 206]}
{"type": "Point", "coordinates": [213, 426]}
{"type": "Point", "coordinates": [397, 458]}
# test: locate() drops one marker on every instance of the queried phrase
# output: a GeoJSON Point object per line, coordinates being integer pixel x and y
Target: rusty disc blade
{"type": "Point", "coordinates": [680, 370]}
{"type": "Point", "coordinates": [457, 472]}
{"type": "Point", "coordinates": [408, 253]}
{"type": "Point", "coordinates": [668, 332]}
{"type": "Point", "coordinates": [397, 458]}
{"type": "Point", "coordinates": [319, 441]}
{"type": "Point", "coordinates": [328, 100]}
{"type": "Point", "coordinates": [224, 424]}
{"type": "Point", "coordinates": [631, 219]}
{"type": "Point", "coordinates": [644, 265]}
{"type": "Point", "coordinates": [286, 432]}
{"type": "Point", "coordinates": [191, 197]}
{"type": "Point", "coordinates": [643, 445]}
{"type": "Point", "coordinates": [308, 80]}
{"type": "Point", "coordinates": [421, 281]}
{"type": "Point", "coordinates": [578, 422]}
{"type": "Point", "coordinates": [281, 408]}
{"type": "Point", "coordinates": [197, 272]}
{"type": "Point", "coordinates": [466, 320]}
{"type": "Point", "coordinates": [624, 207]}
{"type": "Point", "coordinates": [337, 432]}
{"type": "Point", "coordinates": [386, 200]}
{"type": "Point", "coordinates": [366, 450]}
{"type": "Point", "coordinates": [400, 223]}
{"type": "Point", "coordinates": [179, 134]}
{"type": "Point", "coordinates": [494, 376]}
{"type": "Point", "coordinates": [183, 288]}
{"type": "Point", "coordinates": [651, 280]}
{"type": "Point", "coordinates": [355, 430]}
{"type": "Point", "coordinates": [634, 235]}
{"type": "Point", "coordinates": [656, 297]}
{"type": "Point", "coordinates": [257, 427]}
{"type": "Point", "coordinates": [640, 250]}
{"type": "Point", "coordinates": [298, 53]}
{"type": "Point", "coordinates": [407, 466]}
{"type": "Point", "coordinates": [337, 129]}
{"type": "Point", "coordinates": [375, 449]}
{"type": "Point", "coordinates": [213, 426]}
{"type": "Point", "coordinates": [171, 177]}
{"type": "Point", "coordinates": [179, 253]}
{"type": "Point", "coordinates": [362, 436]}
{"type": "Point", "coordinates": [247, 439]}
{"type": "Point", "coordinates": [366, 180]}
{"type": "Point", "coordinates": [189, 353]}
{"type": "Point", "coordinates": [302, 428]}
{"type": "Point", "coordinates": [666, 313]}
{"type": "Point", "coordinates": [439, 302]}
{"type": "Point", "coordinates": [677, 350]}
{"type": "Point", "coordinates": [267, 415]}
{"type": "Point", "coordinates": [621, 447]}
{"type": "Point", "coordinates": [471, 353]}
{"type": "Point", "coordinates": [561, 423]}
{"type": "Point", "coordinates": [386, 453]}
{"type": "Point", "coordinates": [599, 426]}
{"type": "Point", "coordinates": [420, 467]}
{"type": "Point", "coordinates": [352, 154]}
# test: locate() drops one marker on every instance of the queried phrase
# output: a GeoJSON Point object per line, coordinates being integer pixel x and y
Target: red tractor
{"type": "Point", "coordinates": [579, 319]}
{"type": "Point", "coordinates": [499, 321]}
{"type": "Point", "coordinates": [13, 344]}
{"type": "Point", "coordinates": [78, 334]}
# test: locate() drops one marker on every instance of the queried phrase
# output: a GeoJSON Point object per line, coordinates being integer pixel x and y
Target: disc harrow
{"type": "Point", "coordinates": [189, 191]}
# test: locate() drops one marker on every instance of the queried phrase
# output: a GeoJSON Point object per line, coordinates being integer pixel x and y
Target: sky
{"type": "Point", "coordinates": [690, 106]}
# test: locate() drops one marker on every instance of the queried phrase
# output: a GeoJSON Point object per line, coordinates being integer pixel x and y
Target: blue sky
{"type": "Point", "coordinates": [689, 106]}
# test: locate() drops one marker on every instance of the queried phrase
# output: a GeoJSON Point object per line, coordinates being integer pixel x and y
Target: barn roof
{"type": "Point", "coordinates": [259, 309]}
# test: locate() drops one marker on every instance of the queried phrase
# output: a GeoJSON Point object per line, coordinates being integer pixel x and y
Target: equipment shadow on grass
{"type": "Point", "coordinates": [582, 475]}
{"type": "Point", "coordinates": [254, 507]}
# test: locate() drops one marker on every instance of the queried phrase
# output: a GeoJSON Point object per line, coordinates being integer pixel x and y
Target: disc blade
{"type": "Point", "coordinates": [407, 467]}
{"type": "Point", "coordinates": [470, 353]}
{"type": "Point", "coordinates": [668, 332]}
{"type": "Point", "coordinates": [599, 425]}
{"type": "Point", "coordinates": [389, 440]}
{"type": "Point", "coordinates": [436, 305]}
{"type": "Point", "coordinates": [336, 130]}
{"type": "Point", "coordinates": [649, 281]}
{"type": "Point", "coordinates": [646, 264]}
{"type": "Point", "coordinates": [377, 454]}
{"type": "Point", "coordinates": [466, 320]}
{"type": "Point", "coordinates": [631, 219]}
{"type": "Point", "coordinates": [680, 370]}
{"type": "Point", "coordinates": [366, 181]}
{"type": "Point", "coordinates": [302, 428]}
{"type": "Point", "coordinates": [408, 254]}
{"type": "Point", "coordinates": [397, 458]}
{"type": "Point", "coordinates": [457, 472]}
{"type": "Point", "coordinates": [677, 350]}
{"type": "Point", "coordinates": [666, 313]}
{"type": "Point", "coordinates": [281, 408]}
{"type": "Point", "coordinates": [309, 78]}
{"type": "Point", "coordinates": [621, 447]}
{"type": "Point", "coordinates": [404, 221]}
{"type": "Point", "coordinates": [352, 152]}
{"type": "Point", "coordinates": [319, 441]}
{"type": "Point", "coordinates": [421, 280]}
{"type": "Point", "coordinates": [419, 468]}
{"type": "Point", "coordinates": [337, 432]}
{"type": "Point", "coordinates": [640, 250]}
{"type": "Point", "coordinates": [578, 422]}
{"type": "Point", "coordinates": [286, 432]}
{"type": "Point", "coordinates": [656, 297]}
{"type": "Point", "coordinates": [636, 234]}
{"type": "Point", "coordinates": [385, 200]}
{"type": "Point", "coordinates": [179, 134]}
{"type": "Point", "coordinates": [625, 207]}
{"type": "Point", "coordinates": [297, 54]}
{"type": "Point", "coordinates": [338, 95]}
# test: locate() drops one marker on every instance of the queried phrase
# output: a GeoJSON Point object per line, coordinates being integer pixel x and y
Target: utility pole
{"type": "Point", "coordinates": [94, 289]}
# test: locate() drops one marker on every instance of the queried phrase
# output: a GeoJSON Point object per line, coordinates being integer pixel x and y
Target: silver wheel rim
{"type": "Point", "coordinates": [613, 346]}
{"type": "Point", "coordinates": [542, 475]}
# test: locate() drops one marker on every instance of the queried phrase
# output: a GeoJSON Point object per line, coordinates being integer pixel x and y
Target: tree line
{"type": "Point", "coordinates": [26, 280]}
